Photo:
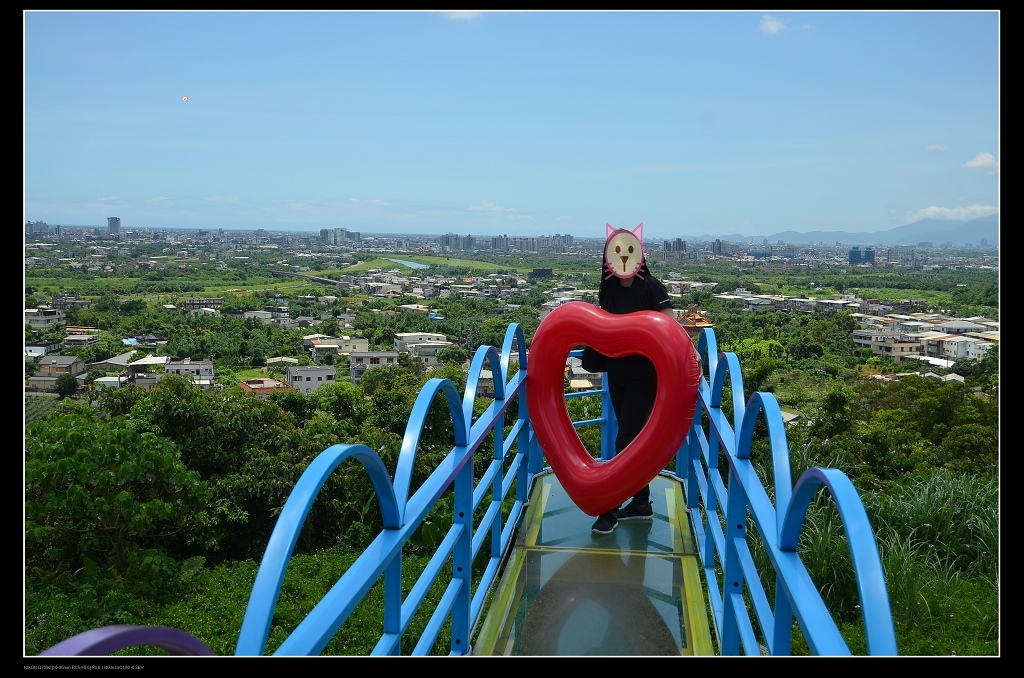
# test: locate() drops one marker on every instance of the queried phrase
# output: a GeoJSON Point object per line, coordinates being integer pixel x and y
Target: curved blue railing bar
{"type": "Point", "coordinates": [267, 586]}
{"type": "Point", "coordinates": [722, 507]}
{"type": "Point", "coordinates": [723, 492]}
{"type": "Point", "coordinates": [459, 604]}
{"type": "Point", "coordinates": [867, 566]}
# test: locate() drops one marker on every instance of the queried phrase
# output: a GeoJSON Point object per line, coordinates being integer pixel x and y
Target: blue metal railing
{"type": "Point", "coordinates": [462, 601]}
{"type": "Point", "coordinates": [720, 511]}
{"type": "Point", "coordinates": [721, 500]}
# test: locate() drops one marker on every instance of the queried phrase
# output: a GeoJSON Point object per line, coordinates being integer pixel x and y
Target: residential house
{"type": "Point", "coordinates": [203, 302]}
{"type": "Point", "coordinates": [427, 352]}
{"type": "Point", "coordinates": [65, 301]}
{"type": "Point", "coordinates": [111, 382]}
{"type": "Point", "coordinates": [149, 363]}
{"type": "Point", "coordinates": [959, 326]}
{"type": "Point", "coordinates": [265, 316]}
{"type": "Point", "coordinates": [549, 306]}
{"type": "Point", "coordinates": [757, 304]}
{"type": "Point", "coordinates": [80, 340]}
{"type": "Point", "coordinates": [485, 384]}
{"type": "Point", "coordinates": [202, 311]}
{"type": "Point", "coordinates": [278, 311]}
{"type": "Point", "coordinates": [901, 346]}
{"type": "Point", "coordinates": [146, 380]}
{"type": "Point", "coordinates": [201, 371]}
{"type": "Point", "coordinates": [51, 368]}
{"type": "Point", "coordinates": [579, 378]}
{"type": "Point", "coordinates": [37, 349]}
{"type": "Point", "coordinates": [405, 339]}
{"type": "Point", "coordinates": [309, 378]}
{"type": "Point", "coordinates": [43, 319]}
{"type": "Point", "coordinates": [149, 342]}
{"type": "Point", "coordinates": [143, 372]}
{"type": "Point", "coordinates": [56, 365]}
{"type": "Point", "coordinates": [874, 336]}
{"type": "Point", "coordinates": [307, 340]}
{"type": "Point", "coordinates": [118, 362]}
{"type": "Point", "coordinates": [414, 308]}
{"type": "Point", "coordinates": [360, 361]}
{"type": "Point", "coordinates": [339, 346]}
{"type": "Point", "coordinates": [262, 388]}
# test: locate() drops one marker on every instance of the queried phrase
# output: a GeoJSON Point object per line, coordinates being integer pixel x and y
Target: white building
{"type": "Point", "coordinates": [360, 361]}
{"type": "Point", "coordinates": [404, 339]}
{"type": "Point", "coordinates": [309, 378]}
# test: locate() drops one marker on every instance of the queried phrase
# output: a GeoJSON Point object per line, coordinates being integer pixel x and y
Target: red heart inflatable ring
{"type": "Point", "coordinates": [594, 485]}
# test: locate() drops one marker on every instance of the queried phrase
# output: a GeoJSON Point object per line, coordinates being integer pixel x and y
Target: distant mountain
{"type": "Point", "coordinates": [935, 231]}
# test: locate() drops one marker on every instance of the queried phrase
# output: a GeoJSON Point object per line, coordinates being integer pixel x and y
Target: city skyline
{"type": "Point", "coordinates": [515, 123]}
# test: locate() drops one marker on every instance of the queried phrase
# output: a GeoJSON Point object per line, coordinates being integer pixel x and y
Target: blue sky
{"type": "Point", "coordinates": [515, 123]}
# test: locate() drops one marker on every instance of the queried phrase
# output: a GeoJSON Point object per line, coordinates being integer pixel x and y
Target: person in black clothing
{"type": "Point", "coordinates": [628, 286]}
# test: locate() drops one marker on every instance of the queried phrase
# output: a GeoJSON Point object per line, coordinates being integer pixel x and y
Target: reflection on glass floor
{"type": "Point", "coordinates": [568, 591]}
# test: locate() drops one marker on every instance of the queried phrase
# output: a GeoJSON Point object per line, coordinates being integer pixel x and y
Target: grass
{"type": "Point", "coordinates": [937, 536]}
{"type": "Point", "coordinates": [454, 261]}
{"type": "Point", "coordinates": [211, 604]}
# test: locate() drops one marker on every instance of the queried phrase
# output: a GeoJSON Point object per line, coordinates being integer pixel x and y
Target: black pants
{"type": "Point", "coordinates": [633, 401]}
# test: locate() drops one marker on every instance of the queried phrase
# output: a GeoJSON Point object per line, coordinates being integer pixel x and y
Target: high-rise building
{"type": "Point", "coordinates": [114, 226]}
{"type": "Point", "coordinates": [859, 256]}
{"type": "Point", "coordinates": [677, 245]}
{"type": "Point", "coordinates": [336, 236]}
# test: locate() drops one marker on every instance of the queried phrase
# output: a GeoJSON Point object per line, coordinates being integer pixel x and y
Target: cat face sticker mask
{"type": "Point", "coordinates": [623, 252]}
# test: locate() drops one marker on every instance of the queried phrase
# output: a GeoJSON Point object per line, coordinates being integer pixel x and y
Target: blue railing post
{"type": "Point", "coordinates": [462, 559]}
{"type": "Point", "coordinates": [610, 429]}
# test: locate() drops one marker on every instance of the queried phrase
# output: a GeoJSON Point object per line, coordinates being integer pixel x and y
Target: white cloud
{"type": "Point", "coordinates": [462, 15]}
{"type": "Point", "coordinates": [108, 198]}
{"type": "Point", "coordinates": [302, 206]}
{"type": "Point", "coordinates": [953, 213]}
{"type": "Point", "coordinates": [936, 147]}
{"type": "Point", "coordinates": [984, 161]}
{"type": "Point", "coordinates": [488, 206]}
{"type": "Point", "coordinates": [225, 199]}
{"type": "Point", "coordinates": [770, 25]}
{"type": "Point", "coordinates": [161, 201]}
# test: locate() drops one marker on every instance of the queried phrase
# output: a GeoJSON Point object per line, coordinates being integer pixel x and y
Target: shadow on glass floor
{"type": "Point", "coordinates": [568, 591]}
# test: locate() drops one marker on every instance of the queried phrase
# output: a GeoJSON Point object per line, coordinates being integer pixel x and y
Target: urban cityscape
{"type": "Point", "coordinates": [778, 255]}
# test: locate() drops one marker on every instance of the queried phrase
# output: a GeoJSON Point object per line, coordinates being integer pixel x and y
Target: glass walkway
{"type": "Point", "coordinates": [568, 591]}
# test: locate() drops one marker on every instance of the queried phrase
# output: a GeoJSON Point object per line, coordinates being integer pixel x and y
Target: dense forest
{"type": "Point", "coordinates": [138, 503]}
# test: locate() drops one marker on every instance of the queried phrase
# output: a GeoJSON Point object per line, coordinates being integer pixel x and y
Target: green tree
{"type": "Point", "coordinates": [345, 403]}
{"type": "Point", "coordinates": [66, 385]}
{"type": "Point", "coordinates": [453, 354]}
{"type": "Point", "coordinates": [248, 450]}
{"type": "Point", "coordinates": [117, 402]}
{"type": "Point", "coordinates": [833, 416]}
{"type": "Point", "coordinates": [100, 496]}
{"type": "Point", "coordinates": [970, 448]}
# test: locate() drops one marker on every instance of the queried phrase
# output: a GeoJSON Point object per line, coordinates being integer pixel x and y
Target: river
{"type": "Point", "coordinates": [410, 264]}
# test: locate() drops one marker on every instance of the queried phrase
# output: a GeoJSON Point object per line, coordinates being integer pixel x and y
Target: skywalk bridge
{"type": "Point", "coordinates": [520, 570]}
